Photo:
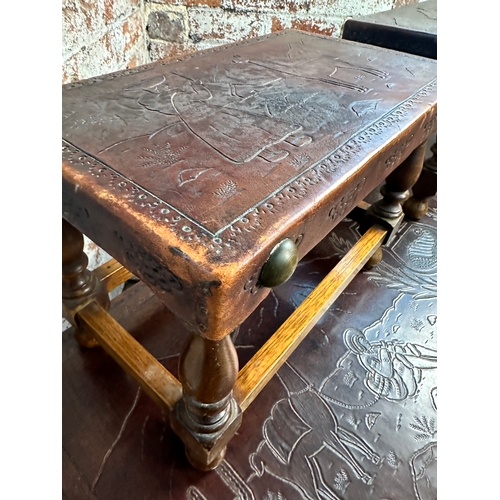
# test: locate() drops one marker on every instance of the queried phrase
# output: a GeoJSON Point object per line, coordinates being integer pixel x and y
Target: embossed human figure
{"type": "Point", "coordinates": [223, 121]}
{"type": "Point", "coordinates": [393, 368]}
{"type": "Point", "coordinates": [297, 441]}
{"type": "Point", "coordinates": [217, 108]}
{"type": "Point", "coordinates": [246, 109]}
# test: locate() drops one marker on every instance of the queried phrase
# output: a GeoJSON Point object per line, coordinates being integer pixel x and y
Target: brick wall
{"type": "Point", "coordinates": [180, 26]}
{"type": "Point", "coordinates": [101, 36]}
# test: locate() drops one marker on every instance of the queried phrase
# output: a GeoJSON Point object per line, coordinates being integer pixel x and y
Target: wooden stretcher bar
{"type": "Point", "coordinates": [254, 376]}
{"type": "Point", "coordinates": [166, 390]}
{"type": "Point", "coordinates": [112, 274]}
{"type": "Point", "coordinates": [151, 375]}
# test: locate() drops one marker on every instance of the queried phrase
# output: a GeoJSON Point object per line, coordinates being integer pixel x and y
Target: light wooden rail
{"type": "Point", "coordinates": [254, 376]}
{"type": "Point", "coordinates": [152, 376]}
{"type": "Point", "coordinates": [112, 273]}
{"type": "Point", "coordinates": [166, 390]}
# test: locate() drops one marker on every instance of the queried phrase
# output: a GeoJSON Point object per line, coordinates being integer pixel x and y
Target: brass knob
{"type": "Point", "coordinates": [280, 265]}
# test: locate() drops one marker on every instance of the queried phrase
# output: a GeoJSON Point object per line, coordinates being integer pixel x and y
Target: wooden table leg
{"type": "Point", "coordinates": [207, 416]}
{"type": "Point", "coordinates": [203, 411]}
{"type": "Point", "coordinates": [79, 285]}
{"type": "Point", "coordinates": [207, 404]}
{"type": "Point", "coordinates": [425, 188]}
{"type": "Point", "coordinates": [389, 210]}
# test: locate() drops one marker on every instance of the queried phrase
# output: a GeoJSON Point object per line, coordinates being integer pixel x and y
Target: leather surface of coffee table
{"type": "Point", "coordinates": [189, 172]}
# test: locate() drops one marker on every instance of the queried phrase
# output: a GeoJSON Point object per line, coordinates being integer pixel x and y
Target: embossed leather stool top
{"type": "Point", "coordinates": [190, 172]}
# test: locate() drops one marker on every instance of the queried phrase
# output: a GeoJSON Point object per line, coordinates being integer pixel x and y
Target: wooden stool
{"type": "Point", "coordinates": [209, 177]}
{"type": "Point", "coordinates": [412, 29]}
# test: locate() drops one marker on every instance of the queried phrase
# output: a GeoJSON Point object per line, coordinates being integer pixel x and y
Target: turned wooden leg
{"type": "Point", "coordinates": [79, 285]}
{"type": "Point", "coordinates": [207, 416]}
{"type": "Point", "coordinates": [397, 185]}
{"type": "Point", "coordinates": [417, 205]}
{"type": "Point", "coordinates": [388, 211]}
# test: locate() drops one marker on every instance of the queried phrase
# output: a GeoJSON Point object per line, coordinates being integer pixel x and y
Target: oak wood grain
{"type": "Point", "coordinates": [253, 377]}
{"type": "Point", "coordinates": [151, 375]}
{"type": "Point", "coordinates": [112, 274]}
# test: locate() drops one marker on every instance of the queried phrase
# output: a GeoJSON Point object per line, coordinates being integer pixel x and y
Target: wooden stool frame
{"type": "Point", "coordinates": [212, 250]}
{"type": "Point", "coordinates": [166, 390]}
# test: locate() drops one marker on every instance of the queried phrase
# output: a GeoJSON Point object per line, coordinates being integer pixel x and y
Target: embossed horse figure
{"type": "Point", "coordinates": [300, 428]}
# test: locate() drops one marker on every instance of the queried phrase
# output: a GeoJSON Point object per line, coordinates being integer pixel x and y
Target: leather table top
{"type": "Point", "coordinates": [189, 172]}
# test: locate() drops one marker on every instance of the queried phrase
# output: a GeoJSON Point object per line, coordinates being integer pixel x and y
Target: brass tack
{"type": "Point", "coordinates": [280, 265]}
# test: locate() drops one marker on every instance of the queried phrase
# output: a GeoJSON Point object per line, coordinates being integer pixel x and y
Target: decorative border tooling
{"type": "Point", "coordinates": [182, 226]}
{"type": "Point", "coordinates": [188, 229]}
{"type": "Point", "coordinates": [344, 205]}
{"type": "Point", "coordinates": [323, 171]}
